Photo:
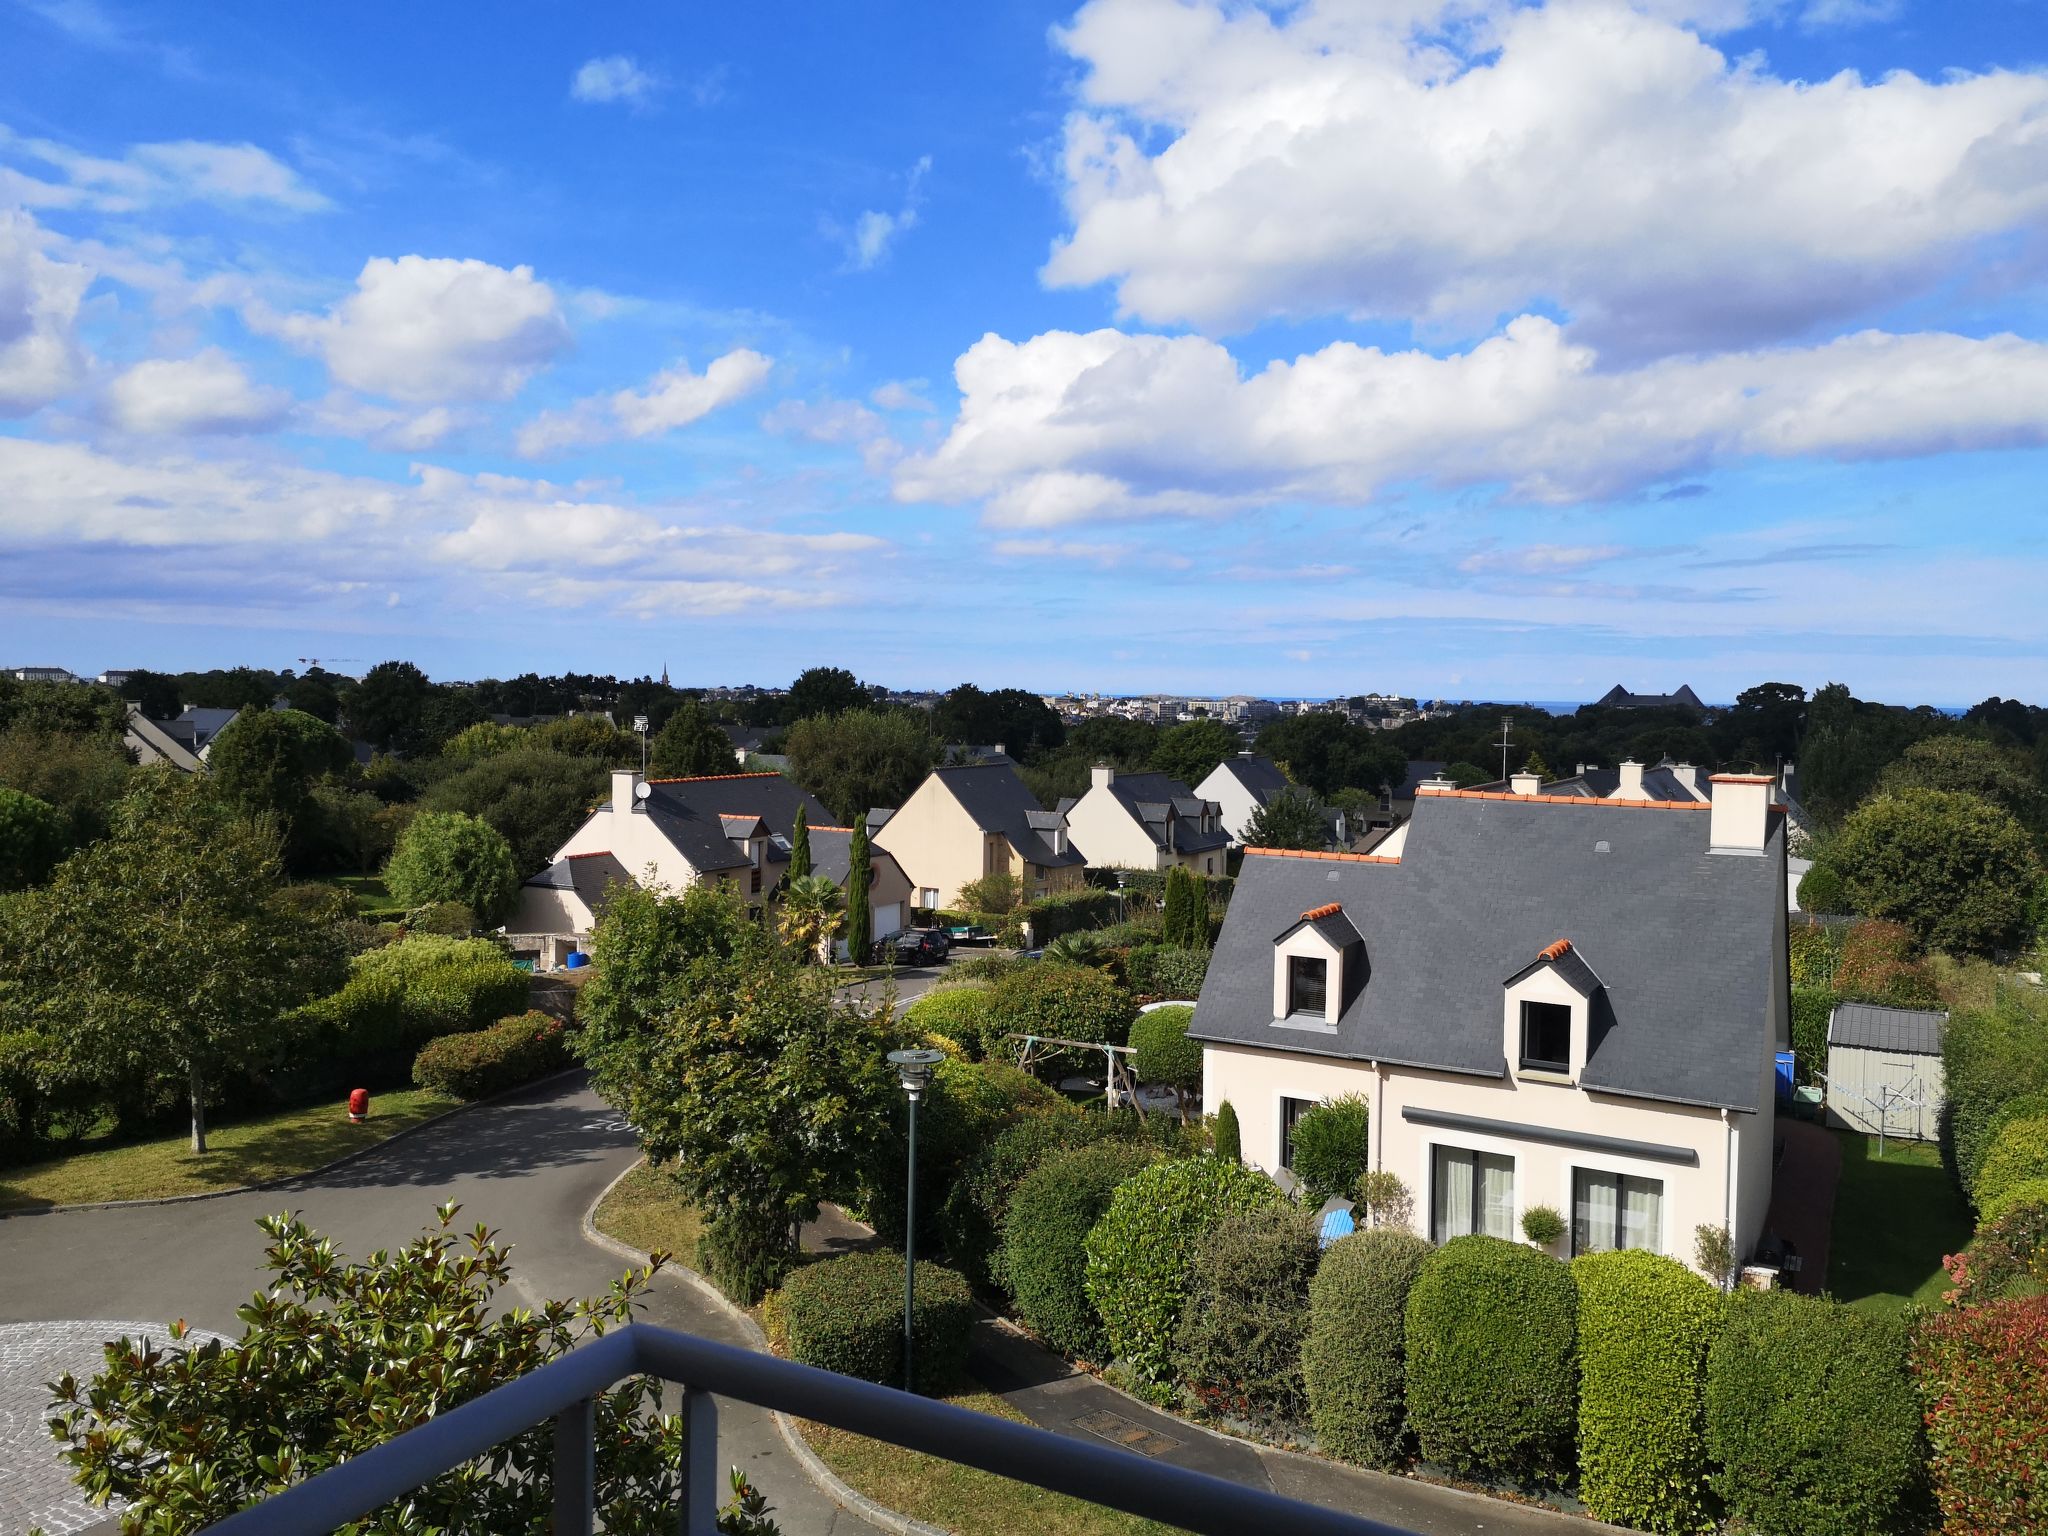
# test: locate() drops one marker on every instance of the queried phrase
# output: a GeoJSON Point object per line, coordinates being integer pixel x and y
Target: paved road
{"type": "Point", "coordinates": [529, 1166]}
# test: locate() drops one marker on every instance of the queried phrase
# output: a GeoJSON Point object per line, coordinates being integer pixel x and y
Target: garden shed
{"type": "Point", "coordinates": [1884, 1069]}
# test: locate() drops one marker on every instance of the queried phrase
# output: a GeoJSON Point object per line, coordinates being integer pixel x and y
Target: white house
{"type": "Point", "coordinates": [971, 820]}
{"type": "Point", "coordinates": [1241, 786]}
{"type": "Point", "coordinates": [1545, 1000]}
{"type": "Point", "coordinates": [1146, 821]}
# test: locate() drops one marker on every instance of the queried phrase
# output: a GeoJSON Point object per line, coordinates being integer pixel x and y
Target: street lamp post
{"type": "Point", "coordinates": [914, 1070]}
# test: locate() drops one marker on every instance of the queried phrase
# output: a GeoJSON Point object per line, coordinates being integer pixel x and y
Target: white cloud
{"type": "Point", "coordinates": [422, 328]}
{"type": "Point", "coordinates": [1447, 162]}
{"type": "Point", "coordinates": [382, 426]}
{"type": "Point", "coordinates": [615, 77]}
{"type": "Point", "coordinates": [1067, 427]}
{"type": "Point", "coordinates": [868, 241]}
{"type": "Point", "coordinates": [206, 393]}
{"type": "Point", "coordinates": [903, 395]}
{"type": "Point", "coordinates": [40, 355]}
{"type": "Point", "coordinates": [1063, 550]}
{"type": "Point", "coordinates": [824, 421]}
{"type": "Point", "coordinates": [156, 175]}
{"type": "Point", "coordinates": [673, 398]}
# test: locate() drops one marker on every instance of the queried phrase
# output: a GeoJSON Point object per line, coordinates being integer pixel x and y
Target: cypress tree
{"type": "Point", "coordinates": [860, 917]}
{"type": "Point", "coordinates": [800, 846]}
{"type": "Point", "coordinates": [1194, 916]}
{"type": "Point", "coordinates": [1228, 1143]}
{"type": "Point", "coordinates": [1175, 915]}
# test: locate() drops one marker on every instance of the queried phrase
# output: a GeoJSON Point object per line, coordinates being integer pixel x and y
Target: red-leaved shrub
{"type": "Point", "coordinates": [1983, 1378]}
{"type": "Point", "coordinates": [1878, 963]}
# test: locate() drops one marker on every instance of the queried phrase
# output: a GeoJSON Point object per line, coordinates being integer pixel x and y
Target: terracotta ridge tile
{"type": "Point", "coordinates": [1308, 853]}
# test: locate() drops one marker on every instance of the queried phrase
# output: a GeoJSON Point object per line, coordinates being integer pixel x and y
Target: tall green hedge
{"type": "Point", "coordinates": [846, 1315]}
{"type": "Point", "coordinates": [1810, 1416]}
{"type": "Point", "coordinates": [1989, 1057]}
{"type": "Point", "coordinates": [971, 1220]}
{"type": "Point", "coordinates": [1811, 1009]}
{"type": "Point", "coordinates": [1238, 1346]}
{"type": "Point", "coordinates": [1492, 1359]}
{"type": "Point", "coordinates": [1983, 1379]}
{"type": "Point", "coordinates": [1645, 1325]}
{"type": "Point", "coordinates": [2019, 1154]}
{"type": "Point", "coordinates": [1045, 1234]}
{"type": "Point", "coordinates": [1065, 912]}
{"type": "Point", "coordinates": [1353, 1361]}
{"type": "Point", "coordinates": [1141, 1252]}
{"type": "Point", "coordinates": [1067, 1002]}
{"type": "Point", "coordinates": [1163, 970]}
{"type": "Point", "coordinates": [401, 996]}
{"type": "Point", "coordinates": [958, 1011]}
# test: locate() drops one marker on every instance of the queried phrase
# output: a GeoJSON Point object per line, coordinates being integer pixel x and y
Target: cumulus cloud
{"type": "Point", "coordinates": [673, 398]}
{"type": "Point", "coordinates": [902, 395]}
{"type": "Point", "coordinates": [425, 328]}
{"type": "Point", "coordinates": [1448, 162]}
{"type": "Point", "coordinates": [615, 77]}
{"type": "Point", "coordinates": [203, 394]}
{"type": "Point", "coordinates": [868, 239]}
{"type": "Point", "coordinates": [1066, 427]}
{"type": "Point", "coordinates": [381, 426]}
{"type": "Point", "coordinates": [40, 355]}
{"type": "Point", "coordinates": [154, 176]}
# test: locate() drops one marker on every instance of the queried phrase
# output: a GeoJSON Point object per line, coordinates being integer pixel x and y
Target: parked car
{"type": "Point", "coordinates": [921, 946]}
{"type": "Point", "coordinates": [970, 934]}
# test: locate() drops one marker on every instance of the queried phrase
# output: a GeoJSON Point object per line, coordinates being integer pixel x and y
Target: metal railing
{"type": "Point", "coordinates": [564, 1389]}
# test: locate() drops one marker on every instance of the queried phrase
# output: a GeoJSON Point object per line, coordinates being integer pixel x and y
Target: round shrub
{"type": "Point", "coordinates": [1068, 1002]}
{"type": "Point", "coordinates": [1810, 1415]}
{"type": "Point", "coordinates": [1238, 1348]}
{"type": "Point", "coordinates": [957, 1012]}
{"type": "Point", "coordinates": [1140, 1253]}
{"type": "Point", "coordinates": [2020, 1153]}
{"type": "Point", "coordinates": [1820, 890]}
{"type": "Point", "coordinates": [1983, 1380]}
{"type": "Point", "coordinates": [1645, 1325]}
{"type": "Point", "coordinates": [2026, 1195]}
{"type": "Point", "coordinates": [1045, 1232]}
{"type": "Point", "coordinates": [971, 1222]}
{"type": "Point", "coordinates": [1542, 1225]}
{"type": "Point", "coordinates": [450, 856]}
{"type": "Point", "coordinates": [1163, 1054]}
{"type": "Point", "coordinates": [450, 918]}
{"type": "Point", "coordinates": [1332, 1146]}
{"type": "Point", "coordinates": [32, 837]}
{"type": "Point", "coordinates": [846, 1315]}
{"type": "Point", "coordinates": [1492, 1363]}
{"type": "Point", "coordinates": [1353, 1362]}
{"type": "Point", "coordinates": [481, 1062]}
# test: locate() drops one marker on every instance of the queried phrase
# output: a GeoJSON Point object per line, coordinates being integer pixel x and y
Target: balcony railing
{"type": "Point", "coordinates": [564, 1391]}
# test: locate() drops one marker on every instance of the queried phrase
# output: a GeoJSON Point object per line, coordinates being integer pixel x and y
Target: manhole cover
{"type": "Point", "coordinates": [1118, 1430]}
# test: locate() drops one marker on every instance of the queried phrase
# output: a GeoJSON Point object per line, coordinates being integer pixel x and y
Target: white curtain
{"type": "Point", "coordinates": [1642, 1213]}
{"type": "Point", "coordinates": [1595, 1213]}
{"type": "Point", "coordinates": [1453, 1194]}
{"type": "Point", "coordinates": [1497, 1194]}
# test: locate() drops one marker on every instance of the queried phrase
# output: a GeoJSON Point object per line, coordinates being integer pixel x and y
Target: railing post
{"type": "Point", "coordinates": [700, 1463]}
{"type": "Point", "coordinates": [576, 1469]}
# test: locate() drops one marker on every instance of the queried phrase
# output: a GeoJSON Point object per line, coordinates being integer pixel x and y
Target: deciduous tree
{"type": "Point", "coordinates": [1956, 870]}
{"type": "Point", "coordinates": [861, 758]}
{"type": "Point", "coordinates": [31, 839]}
{"type": "Point", "coordinates": [447, 856]}
{"type": "Point", "coordinates": [1191, 750]}
{"type": "Point", "coordinates": [1294, 818]}
{"type": "Point", "coordinates": [267, 761]}
{"type": "Point", "coordinates": [535, 799]}
{"type": "Point", "coordinates": [689, 744]}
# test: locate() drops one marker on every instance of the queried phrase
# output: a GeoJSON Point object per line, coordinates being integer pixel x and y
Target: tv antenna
{"type": "Point", "coordinates": [1507, 726]}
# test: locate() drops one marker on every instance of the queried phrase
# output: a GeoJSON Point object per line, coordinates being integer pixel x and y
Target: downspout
{"type": "Point", "coordinates": [1379, 1117]}
{"type": "Point", "coordinates": [1728, 1190]}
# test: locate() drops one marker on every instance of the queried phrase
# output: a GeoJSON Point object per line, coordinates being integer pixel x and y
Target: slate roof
{"type": "Point", "coordinates": [1419, 769]}
{"type": "Point", "coordinates": [589, 875]}
{"type": "Point", "coordinates": [1683, 940]}
{"type": "Point", "coordinates": [1659, 783]}
{"type": "Point", "coordinates": [1904, 1031]}
{"type": "Point", "coordinates": [1147, 797]}
{"type": "Point", "coordinates": [205, 724]}
{"type": "Point", "coordinates": [830, 847]}
{"type": "Point", "coordinates": [1619, 697]}
{"type": "Point", "coordinates": [997, 801]}
{"type": "Point", "coordinates": [692, 813]}
{"type": "Point", "coordinates": [1260, 776]}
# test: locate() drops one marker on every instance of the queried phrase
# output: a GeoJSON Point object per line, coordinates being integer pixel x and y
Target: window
{"type": "Point", "coordinates": [1615, 1210]}
{"type": "Point", "coordinates": [1546, 1037]}
{"type": "Point", "coordinates": [1209, 866]}
{"type": "Point", "coordinates": [1471, 1192]}
{"type": "Point", "coordinates": [754, 881]}
{"type": "Point", "coordinates": [1308, 984]}
{"type": "Point", "coordinates": [927, 896]}
{"type": "Point", "coordinates": [1291, 1111]}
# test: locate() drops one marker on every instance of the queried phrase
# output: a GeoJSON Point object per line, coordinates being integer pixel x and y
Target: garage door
{"type": "Point", "coordinates": [888, 919]}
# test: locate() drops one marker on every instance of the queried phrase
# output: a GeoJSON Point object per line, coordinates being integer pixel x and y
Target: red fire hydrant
{"type": "Point", "coordinates": [359, 1106]}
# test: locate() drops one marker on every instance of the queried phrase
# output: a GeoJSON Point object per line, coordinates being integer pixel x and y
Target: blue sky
{"type": "Point", "coordinates": [1440, 346]}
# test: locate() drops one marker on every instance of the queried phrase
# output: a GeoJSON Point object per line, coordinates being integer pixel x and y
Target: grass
{"type": "Point", "coordinates": [367, 891]}
{"type": "Point", "coordinates": [644, 1210]}
{"type": "Point", "coordinates": [245, 1150]}
{"type": "Point", "coordinates": [1894, 1220]}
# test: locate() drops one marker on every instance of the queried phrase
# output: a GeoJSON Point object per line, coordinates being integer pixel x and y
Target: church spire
{"type": "Point", "coordinates": [664, 674]}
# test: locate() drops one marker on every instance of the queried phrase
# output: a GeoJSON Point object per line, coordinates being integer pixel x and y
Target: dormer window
{"type": "Point", "coordinates": [1308, 984]}
{"type": "Point", "coordinates": [1546, 1037]}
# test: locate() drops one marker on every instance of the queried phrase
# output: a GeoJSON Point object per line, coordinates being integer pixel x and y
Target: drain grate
{"type": "Point", "coordinates": [1118, 1430]}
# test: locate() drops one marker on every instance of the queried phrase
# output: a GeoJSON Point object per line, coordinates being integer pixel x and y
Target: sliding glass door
{"type": "Point", "coordinates": [1471, 1192]}
{"type": "Point", "coordinates": [1615, 1210]}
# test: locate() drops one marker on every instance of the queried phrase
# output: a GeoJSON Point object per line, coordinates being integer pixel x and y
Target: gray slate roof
{"type": "Point", "coordinates": [996, 799]}
{"type": "Point", "coordinates": [1260, 776]}
{"type": "Point", "coordinates": [1681, 940]}
{"type": "Point", "coordinates": [1619, 697]}
{"type": "Point", "coordinates": [830, 855]}
{"type": "Point", "coordinates": [691, 813]}
{"type": "Point", "coordinates": [1904, 1031]}
{"type": "Point", "coordinates": [1147, 797]}
{"type": "Point", "coordinates": [589, 875]}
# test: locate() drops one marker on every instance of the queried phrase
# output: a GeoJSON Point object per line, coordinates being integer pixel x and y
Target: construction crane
{"type": "Point", "coordinates": [314, 661]}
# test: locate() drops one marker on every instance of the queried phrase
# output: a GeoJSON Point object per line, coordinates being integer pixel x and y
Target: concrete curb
{"type": "Point", "coordinates": [284, 1179]}
{"type": "Point", "coordinates": [822, 1477]}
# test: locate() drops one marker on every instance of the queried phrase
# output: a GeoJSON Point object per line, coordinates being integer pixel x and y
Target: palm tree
{"type": "Point", "coordinates": [1078, 948]}
{"type": "Point", "coordinates": [812, 912]}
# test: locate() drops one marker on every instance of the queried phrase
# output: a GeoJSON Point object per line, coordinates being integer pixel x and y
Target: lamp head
{"type": "Point", "coordinates": [914, 1068]}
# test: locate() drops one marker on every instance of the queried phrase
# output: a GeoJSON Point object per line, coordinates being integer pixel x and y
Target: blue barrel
{"type": "Point", "coordinates": [577, 960]}
{"type": "Point", "coordinates": [1786, 1077]}
{"type": "Point", "coordinates": [1338, 1224]}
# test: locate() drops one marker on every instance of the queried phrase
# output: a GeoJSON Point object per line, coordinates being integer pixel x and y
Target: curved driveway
{"type": "Point", "coordinates": [529, 1166]}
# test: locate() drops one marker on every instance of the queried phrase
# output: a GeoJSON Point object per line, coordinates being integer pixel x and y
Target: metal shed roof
{"type": "Point", "coordinates": [1872, 1026]}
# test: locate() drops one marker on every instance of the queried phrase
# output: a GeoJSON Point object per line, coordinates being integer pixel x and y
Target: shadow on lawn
{"type": "Point", "coordinates": [1895, 1219]}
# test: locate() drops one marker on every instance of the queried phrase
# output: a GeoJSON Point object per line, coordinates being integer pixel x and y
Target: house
{"type": "Point", "coordinates": [888, 887]}
{"type": "Point", "coordinates": [195, 728]}
{"type": "Point", "coordinates": [1619, 697]}
{"type": "Point", "coordinates": [1241, 786]}
{"type": "Point", "coordinates": [1884, 1071]}
{"type": "Point", "coordinates": [41, 675]}
{"type": "Point", "coordinates": [152, 742]}
{"type": "Point", "coordinates": [733, 829]}
{"type": "Point", "coordinates": [974, 819]}
{"type": "Point", "coordinates": [1147, 821]}
{"type": "Point", "coordinates": [1546, 1001]}
{"type": "Point", "coordinates": [1679, 782]}
{"type": "Point", "coordinates": [745, 740]}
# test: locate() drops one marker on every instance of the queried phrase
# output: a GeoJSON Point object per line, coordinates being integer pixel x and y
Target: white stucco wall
{"type": "Point", "coordinates": [1109, 837]}
{"type": "Point", "coordinates": [1226, 790]}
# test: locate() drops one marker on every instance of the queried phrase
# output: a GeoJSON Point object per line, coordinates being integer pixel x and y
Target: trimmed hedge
{"type": "Point", "coordinates": [2026, 1195]}
{"type": "Point", "coordinates": [1983, 1379]}
{"type": "Point", "coordinates": [1492, 1360]}
{"type": "Point", "coordinates": [1811, 1009]}
{"type": "Point", "coordinates": [481, 1062]}
{"type": "Point", "coordinates": [1065, 912]}
{"type": "Point", "coordinates": [401, 996]}
{"type": "Point", "coordinates": [1332, 1147]}
{"type": "Point", "coordinates": [958, 1012]}
{"type": "Point", "coordinates": [1990, 1058]}
{"type": "Point", "coordinates": [846, 1315]}
{"type": "Point", "coordinates": [1810, 1415]}
{"type": "Point", "coordinates": [1162, 1053]}
{"type": "Point", "coordinates": [1229, 1136]}
{"type": "Point", "coordinates": [1068, 1002]}
{"type": "Point", "coordinates": [971, 1221]}
{"type": "Point", "coordinates": [2019, 1153]}
{"type": "Point", "coordinates": [1140, 1254]}
{"type": "Point", "coordinates": [1645, 1325]}
{"type": "Point", "coordinates": [1353, 1360]}
{"type": "Point", "coordinates": [1166, 970]}
{"type": "Point", "coordinates": [1238, 1347]}
{"type": "Point", "coordinates": [1045, 1233]}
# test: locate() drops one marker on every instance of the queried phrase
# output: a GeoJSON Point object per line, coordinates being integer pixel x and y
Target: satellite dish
{"type": "Point", "coordinates": [643, 790]}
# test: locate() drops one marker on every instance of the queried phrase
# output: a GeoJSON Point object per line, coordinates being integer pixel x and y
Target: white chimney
{"type": "Point", "coordinates": [1741, 813]}
{"type": "Point", "coordinates": [1101, 776]}
{"type": "Point", "coordinates": [1439, 782]}
{"type": "Point", "coordinates": [623, 780]}
{"type": "Point", "coordinates": [1687, 775]}
{"type": "Point", "coordinates": [1524, 783]}
{"type": "Point", "coordinates": [1631, 780]}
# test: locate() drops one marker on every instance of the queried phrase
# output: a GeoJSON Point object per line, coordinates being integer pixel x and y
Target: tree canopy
{"type": "Point", "coordinates": [267, 761]}
{"type": "Point", "coordinates": [1294, 818]}
{"type": "Point", "coordinates": [1020, 720]}
{"type": "Point", "coordinates": [861, 758]}
{"type": "Point", "coordinates": [826, 691]}
{"type": "Point", "coordinates": [447, 856]}
{"type": "Point", "coordinates": [690, 744]}
{"type": "Point", "coordinates": [1957, 871]}
{"type": "Point", "coordinates": [1327, 753]}
{"type": "Point", "coordinates": [533, 797]}
{"type": "Point", "coordinates": [1191, 750]}
{"type": "Point", "coordinates": [32, 837]}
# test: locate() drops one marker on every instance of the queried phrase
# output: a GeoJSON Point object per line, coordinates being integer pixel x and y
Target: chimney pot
{"type": "Point", "coordinates": [1101, 776]}
{"type": "Point", "coordinates": [1631, 780]}
{"type": "Point", "coordinates": [623, 780]}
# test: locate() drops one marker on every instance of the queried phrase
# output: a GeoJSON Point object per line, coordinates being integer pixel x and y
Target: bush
{"type": "Point", "coordinates": [1821, 890]}
{"type": "Point", "coordinates": [1810, 1415]}
{"type": "Point", "coordinates": [959, 1012]}
{"type": "Point", "coordinates": [1812, 949]}
{"type": "Point", "coordinates": [1957, 871]}
{"type": "Point", "coordinates": [1140, 1253]}
{"type": "Point", "coordinates": [1385, 1198]}
{"type": "Point", "coordinates": [1229, 1138]}
{"type": "Point", "coordinates": [1542, 1225]}
{"type": "Point", "coordinates": [1353, 1363]}
{"type": "Point", "coordinates": [1811, 1009]}
{"type": "Point", "coordinates": [1492, 1367]}
{"type": "Point", "coordinates": [449, 856]}
{"type": "Point", "coordinates": [971, 1221]}
{"type": "Point", "coordinates": [32, 838]}
{"type": "Point", "coordinates": [984, 968]}
{"type": "Point", "coordinates": [1238, 1348]}
{"type": "Point", "coordinates": [2007, 1258]}
{"type": "Point", "coordinates": [2020, 1153]}
{"type": "Point", "coordinates": [2027, 1194]}
{"type": "Point", "coordinates": [482, 1062]}
{"type": "Point", "coordinates": [1645, 1325]}
{"type": "Point", "coordinates": [1990, 1058]}
{"type": "Point", "coordinates": [1332, 1146]}
{"type": "Point", "coordinates": [1065, 912]}
{"type": "Point", "coordinates": [1045, 1232]}
{"type": "Point", "coordinates": [1069, 1002]}
{"type": "Point", "coordinates": [1164, 970]}
{"type": "Point", "coordinates": [401, 996]}
{"type": "Point", "coordinates": [1983, 1380]}
{"type": "Point", "coordinates": [846, 1315]}
{"type": "Point", "coordinates": [449, 918]}
{"type": "Point", "coordinates": [1877, 964]}
{"type": "Point", "coordinates": [1162, 1053]}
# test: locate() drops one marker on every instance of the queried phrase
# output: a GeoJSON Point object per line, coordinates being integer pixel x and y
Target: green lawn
{"type": "Point", "coordinates": [245, 1150]}
{"type": "Point", "coordinates": [1894, 1220]}
{"type": "Point", "coordinates": [644, 1210]}
{"type": "Point", "coordinates": [367, 891]}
